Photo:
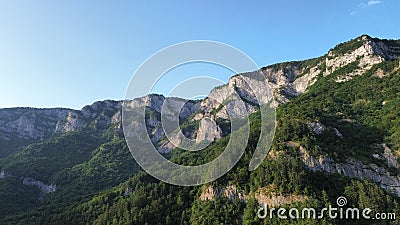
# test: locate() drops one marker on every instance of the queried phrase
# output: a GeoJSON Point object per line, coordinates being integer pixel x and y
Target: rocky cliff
{"type": "Point", "coordinates": [357, 169]}
{"type": "Point", "coordinates": [286, 80]}
{"type": "Point", "coordinates": [31, 123]}
{"type": "Point", "coordinates": [204, 118]}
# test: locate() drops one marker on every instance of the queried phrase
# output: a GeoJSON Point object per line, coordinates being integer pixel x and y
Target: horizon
{"type": "Point", "coordinates": [68, 55]}
{"type": "Point", "coordinates": [162, 94]}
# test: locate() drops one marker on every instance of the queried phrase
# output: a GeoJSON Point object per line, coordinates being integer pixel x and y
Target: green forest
{"type": "Point", "coordinates": [98, 182]}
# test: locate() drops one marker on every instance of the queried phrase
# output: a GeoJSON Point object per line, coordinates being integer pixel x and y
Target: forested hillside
{"type": "Point", "coordinates": [337, 134]}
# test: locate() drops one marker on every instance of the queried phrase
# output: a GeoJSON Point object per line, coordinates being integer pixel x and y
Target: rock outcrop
{"type": "Point", "coordinates": [240, 95]}
{"type": "Point", "coordinates": [44, 189]}
{"type": "Point", "coordinates": [288, 80]}
{"type": "Point", "coordinates": [29, 123]}
{"type": "Point", "coordinates": [36, 124]}
{"type": "Point", "coordinates": [230, 192]}
{"type": "Point", "coordinates": [354, 169]}
{"type": "Point", "coordinates": [261, 195]}
{"type": "Point", "coordinates": [3, 174]}
{"type": "Point", "coordinates": [264, 196]}
{"type": "Point", "coordinates": [208, 130]}
{"type": "Point", "coordinates": [71, 123]}
{"type": "Point", "coordinates": [317, 127]}
{"type": "Point", "coordinates": [371, 52]}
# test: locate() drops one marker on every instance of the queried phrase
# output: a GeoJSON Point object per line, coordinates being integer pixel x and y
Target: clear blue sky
{"type": "Point", "coordinates": [72, 53]}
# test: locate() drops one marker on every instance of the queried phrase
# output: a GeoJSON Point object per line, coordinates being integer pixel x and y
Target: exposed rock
{"type": "Point", "coordinates": [208, 130]}
{"type": "Point", "coordinates": [317, 127]}
{"type": "Point", "coordinates": [3, 174]}
{"type": "Point", "coordinates": [348, 120]}
{"type": "Point", "coordinates": [302, 83]}
{"type": "Point", "coordinates": [372, 52]}
{"type": "Point", "coordinates": [230, 96]}
{"type": "Point", "coordinates": [37, 124]}
{"type": "Point", "coordinates": [240, 95]}
{"type": "Point", "coordinates": [390, 158]}
{"type": "Point", "coordinates": [72, 122]}
{"type": "Point", "coordinates": [44, 189]}
{"type": "Point", "coordinates": [170, 144]}
{"type": "Point", "coordinates": [116, 118]}
{"type": "Point", "coordinates": [127, 191]}
{"type": "Point", "coordinates": [158, 107]}
{"type": "Point", "coordinates": [236, 99]}
{"type": "Point", "coordinates": [380, 74]}
{"type": "Point", "coordinates": [337, 133]}
{"type": "Point", "coordinates": [230, 192]}
{"type": "Point", "coordinates": [29, 123]}
{"type": "Point", "coordinates": [200, 116]}
{"type": "Point", "coordinates": [366, 54]}
{"type": "Point", "coordinates": [263, 196]}
{"type": "Point", "coordinates": [210, 193]}
{"type": "Point", "coordinates": [353, 169]}
{"type": "Point", "coordinates": [280, 80]}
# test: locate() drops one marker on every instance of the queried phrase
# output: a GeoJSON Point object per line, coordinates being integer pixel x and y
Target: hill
{"type": "Point", "coordinates": [338, 134]}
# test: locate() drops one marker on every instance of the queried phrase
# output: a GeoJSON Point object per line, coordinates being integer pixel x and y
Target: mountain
{"type": "Point", "coordinates": [338, 134]}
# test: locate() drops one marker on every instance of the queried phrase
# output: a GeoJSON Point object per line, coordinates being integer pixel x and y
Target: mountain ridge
{"type": "Point", "coordinates": [287, 80]}
{"type": "Point", "coordinates": [334, 137]}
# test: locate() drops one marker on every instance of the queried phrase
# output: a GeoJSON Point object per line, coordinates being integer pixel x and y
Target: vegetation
{"type": "Point", "coordinates": [99, 183]}
{"type": "Point", "coordinates": [348, 46]}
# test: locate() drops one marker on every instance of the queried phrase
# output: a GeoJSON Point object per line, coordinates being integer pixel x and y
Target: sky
{"type": "Point", "coordinates": [72, 53]}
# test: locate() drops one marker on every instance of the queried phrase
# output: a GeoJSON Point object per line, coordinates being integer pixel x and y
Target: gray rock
{"type": "Point", "coordinates": [317, 127]}
{"type": "Point", "coordinates": [45, 189]}
{"type": "Point", "coordinates": [3, 174]}
{"type": "Point", "coordinates": [208, 130]}
{"type": "Point", "coordinates": [390, 158]}
{"type": "Point", "coordinates": [353, 169]}
{"type": "Point", "coordinates": [337, 133]}
{"type": "Point", "coordinates": [230, 192]}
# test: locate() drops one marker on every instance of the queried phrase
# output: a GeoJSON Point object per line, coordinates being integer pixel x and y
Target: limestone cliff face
{"type": "Point", "coordinates": [28, 123]}
{"type": "Point", "coordinates": [371, 52]}
{"type": "Point", "coordinates": [36, 124]}
{"type": "Point", "coordinates": [230, 192]}
{"type": "Point", "coordinates": [355, 169]}
{"type": "Point", "coordinates": [290, 79]}
{"type": "Point", "coordinates": [367, 54]}
{"type": "Point", "coordinates": [208, 130]}
{"type": "Point", "coordinates": [72, 122]}
{"type": "Point", "coordinates": [351, 168]}
{"type": "Point", "coordinates": [226, 100]}
{"type": "Point", "coordinates": [265, 196]}
{"type": "Point", "coordinates": [28, 181]}
{"type": "Point", "coordinates": [44, 189]}
{"type": "Point", "coordinates": [239, 95]}
{"type": "Point", "coordinates": [261, 195]}
{"type": "Point", "coordinates": [169, 108]}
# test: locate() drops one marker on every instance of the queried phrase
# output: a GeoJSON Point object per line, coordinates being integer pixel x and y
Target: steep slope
{"type": "Point", "coordinates": [328, 144]}
{"type": "Point", "coordinates": [287, 80]}
{"type": "Point", "coordinates": [337, 135]}
{"type": "Point", "coordinates": [20, 127]}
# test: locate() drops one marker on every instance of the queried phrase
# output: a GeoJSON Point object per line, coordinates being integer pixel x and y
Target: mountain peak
{"type": "Point", "coordinates": [388, 49]}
